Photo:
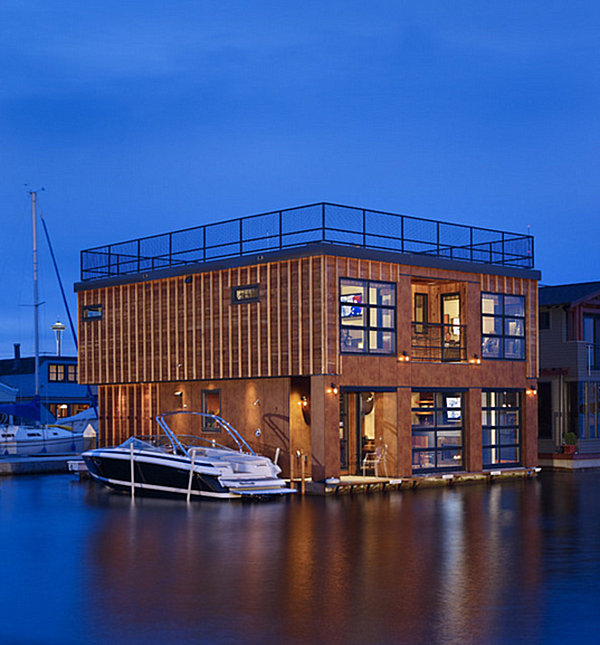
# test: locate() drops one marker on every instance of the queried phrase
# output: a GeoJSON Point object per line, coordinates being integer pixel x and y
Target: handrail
{"type": "Point", "coordinates": [323, 222]}
{"type": "Point", "coordinates": [231, 431]}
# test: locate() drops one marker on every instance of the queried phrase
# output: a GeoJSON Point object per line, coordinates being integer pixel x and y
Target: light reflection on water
{"type": "Point", "coordinates": [478, 564]}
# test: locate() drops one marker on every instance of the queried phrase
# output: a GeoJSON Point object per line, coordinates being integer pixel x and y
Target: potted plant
{"type": "Point", "coordinates": [569, 443]}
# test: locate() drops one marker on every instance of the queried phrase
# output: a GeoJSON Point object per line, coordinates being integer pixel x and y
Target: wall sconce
{"type": "Point", "coordinates": [404, 357]}
{"type": "Point", "coordinates": [305, 407]}
{"type": "Point", "coordinates": [475, 360]}
{"type": "Point", "coordinates": [256, 403]}
{"type": "Point", "coordinates": [178, 393]}
{"type": "Point", "coordinates": [531, 391]}
{"type": "Point", "coordinates": [332, 389]}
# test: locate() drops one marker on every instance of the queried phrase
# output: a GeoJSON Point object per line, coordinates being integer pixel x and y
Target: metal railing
{"type": "Point", "coordinates": [294, 227]}
{"type": "Point", "coordinates": [438, 342]}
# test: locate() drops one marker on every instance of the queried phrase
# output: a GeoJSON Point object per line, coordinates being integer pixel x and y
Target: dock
{"type": "Point", "coordinates": [34, 464]}
{"type": "Point", "coordinates": [356, 484]}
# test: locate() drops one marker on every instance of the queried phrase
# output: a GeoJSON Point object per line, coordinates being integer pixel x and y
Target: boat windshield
{"type": "Point", "coordinates": [139, 444]}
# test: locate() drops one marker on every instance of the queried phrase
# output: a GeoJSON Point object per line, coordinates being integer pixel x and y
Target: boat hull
{"type": "Point", "coordinates": [24, 441]}
{"type": "Point", "coordinates": [169, 476]}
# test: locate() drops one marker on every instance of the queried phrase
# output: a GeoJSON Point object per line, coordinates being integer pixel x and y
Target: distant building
{"type": "Point", "coordinates": [60, 393]}
{"type": "Point", "coordinates": [333, 335]}
{"type": "Point", "coordinates": [569, 384]}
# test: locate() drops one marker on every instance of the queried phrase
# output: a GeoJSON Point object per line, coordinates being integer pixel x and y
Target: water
{"type": "Point", "coordinates": [514, 562]}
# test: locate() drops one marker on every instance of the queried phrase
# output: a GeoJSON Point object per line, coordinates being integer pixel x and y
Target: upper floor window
{"type": "Point", "coordinates": [92, 312]}
{"type": "Point", "coordinates": [58, 372]}
{"type": "Point", "coordinates": [245, 293]}
{"type": "Point", "coordinates": [502, 326]}
{"type": "Point", "coordinates": [367, 317]}
{"type": "Point", "coordinates": [421, 313]}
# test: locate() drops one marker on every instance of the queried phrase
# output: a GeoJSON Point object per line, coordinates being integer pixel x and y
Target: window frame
{"type": "Point", "coordinates": [420, 326]}
{"type": "Point", "coordinates": [502, 337]}
{"type": "Point", "coordinates": [367, 328]}
{"type": "Point", "coordinates": [502, 426]}
{"type": "Point", "coordinates": [438, 411]}
{"type": "Point", "coordinates": [245, 287]}
{"type": "Point", "coordinates": [60, 374]}
{"type": "Point", "coordinates": [87, 309]}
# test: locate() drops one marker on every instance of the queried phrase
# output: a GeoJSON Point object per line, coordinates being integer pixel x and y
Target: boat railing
{"type": "Point", "coordinates": [240, 442]}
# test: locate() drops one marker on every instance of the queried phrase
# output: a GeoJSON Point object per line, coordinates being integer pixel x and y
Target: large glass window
{"type": "Point", "coordinates": [367, 317]}
{"type": "Point", "coordinates": [589, 410]}
{"type": "Point", "coordinates": [502, 326]}
{"type": "Point", "coordinates": [501, 428]}
{"type": "Point", "coordinates": [591, 334]}
{"type": "Point", "coordinates": [437, 431]}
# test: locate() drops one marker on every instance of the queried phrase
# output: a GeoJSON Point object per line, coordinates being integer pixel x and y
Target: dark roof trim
{"type": "Point", "coordinates": [311, 250]}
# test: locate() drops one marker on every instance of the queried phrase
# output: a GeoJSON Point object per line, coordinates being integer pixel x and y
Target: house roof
{"type": "Point", "coordinates": [564, 294]}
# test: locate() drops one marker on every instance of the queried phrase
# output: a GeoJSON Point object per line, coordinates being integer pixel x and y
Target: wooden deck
{"type": "Point", "coordinates": [357, 484]}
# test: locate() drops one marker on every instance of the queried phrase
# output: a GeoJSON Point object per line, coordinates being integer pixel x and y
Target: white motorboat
{"type": "Point", "coordinates": [189, 466]}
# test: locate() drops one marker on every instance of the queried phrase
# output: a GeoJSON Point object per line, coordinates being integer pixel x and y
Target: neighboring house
{"type": "Point", "coordinates": [569, 385]}
{"type": "Point", "coordinates": [60, 394]}
{"type": "Point", "coordinates": [328, 332]}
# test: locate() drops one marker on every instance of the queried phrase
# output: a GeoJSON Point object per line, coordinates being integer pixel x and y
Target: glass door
{"type": "Point", "coordinates": [357, 430]}
{"type": "Point", "coordinates": [451, 328]}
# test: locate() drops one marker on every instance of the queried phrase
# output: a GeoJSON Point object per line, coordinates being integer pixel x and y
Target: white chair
{"type": "Point", "coordinates": [372, 460]}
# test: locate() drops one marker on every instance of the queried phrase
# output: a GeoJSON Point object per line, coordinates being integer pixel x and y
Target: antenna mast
{"type": "Point", "coordinates": [35, 293]}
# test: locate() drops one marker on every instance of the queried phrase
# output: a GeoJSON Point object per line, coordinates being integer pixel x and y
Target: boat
{"type": "Point", "coordinates": [190, 466]}
{"type": "Point", "coordinates": [33, 437]}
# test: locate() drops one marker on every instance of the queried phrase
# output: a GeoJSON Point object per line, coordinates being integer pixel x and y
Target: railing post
{"type": "Point", "coordinates": [191, 478]}
{"type": "Point", "coordinates": [437, 234]}
{"type": "Point", "coordinates": [109, 261]}
{"type": "Point", "coordinates": [170, 249]}
{"type": "Point", "coordinates": [204, 243]}
{"type": "Point", "coordinates": [503, 255]}
{"type": "Point", "coordinates": [280, 229]}
{"type": "Point", "coordinates": [323, 238]}
{"type": "Point", "coordinates": [364, 213]}
{"type": "Point", "coordinates": [132, 470]}
{"type": "Point", "coordinates": [241, 238]}
{"type": "Point", "coordinates": [471, 242]}
{"type": "Point", "coordinates": [402, 233]}
{"type": "Point", "coordinates": [138, 254]}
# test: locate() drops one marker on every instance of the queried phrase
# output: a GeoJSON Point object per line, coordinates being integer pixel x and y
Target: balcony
{"type": "Point", "coordinates": [438, 342]}
{"type": "Point", "coordinates": [296, 227]}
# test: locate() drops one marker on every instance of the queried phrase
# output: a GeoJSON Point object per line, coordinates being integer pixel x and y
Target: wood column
{"type": "Point", "coordinates": [473, 452]}
{"type": "Point", "coordinates": [325, 433]}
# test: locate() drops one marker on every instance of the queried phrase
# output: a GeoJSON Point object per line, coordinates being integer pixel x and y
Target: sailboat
{"type": "Point", "coordinates": [35, 438]}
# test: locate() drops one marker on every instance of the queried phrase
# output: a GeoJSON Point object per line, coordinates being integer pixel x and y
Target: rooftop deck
{"type": "Point", "coordinates": [295, 227]}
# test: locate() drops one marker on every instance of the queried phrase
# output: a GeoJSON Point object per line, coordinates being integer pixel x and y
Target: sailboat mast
{"type": "Point", "coordinates": [35, 294]}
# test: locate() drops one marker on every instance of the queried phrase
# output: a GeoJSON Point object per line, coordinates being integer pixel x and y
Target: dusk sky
{"type": "Point", "coordinates": [140, 118]}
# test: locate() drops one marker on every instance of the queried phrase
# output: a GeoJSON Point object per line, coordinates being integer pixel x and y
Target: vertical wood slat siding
{"type": "Point", "coordinates": [149, 329]}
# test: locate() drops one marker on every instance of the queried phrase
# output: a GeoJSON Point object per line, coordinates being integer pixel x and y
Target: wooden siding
{"type": "Point", "coordinates": [186, 329]}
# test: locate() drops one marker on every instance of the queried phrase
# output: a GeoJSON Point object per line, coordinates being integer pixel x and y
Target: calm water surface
{"type": "Point", "coordinates": [508, 563]}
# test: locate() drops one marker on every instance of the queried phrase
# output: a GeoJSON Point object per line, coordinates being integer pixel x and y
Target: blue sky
{"type": "Point", "coordinates": [139, 118]}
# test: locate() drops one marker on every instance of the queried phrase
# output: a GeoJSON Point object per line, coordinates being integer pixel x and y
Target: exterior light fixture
{"type": "Point", "coordinates": [303, 402]}
{"type": "Point", "coordinates": [531, 391]}
{"type": "Point", "coordinates": [333, 389]}
{"type": "Point", "coordinates": [178, 393]}
{"type": "Point", "coordinates": [256, 403]}
{"type": "Point", "coordinates": [475, 360]}
{"type": "Point", "coordinates": [404, 357]}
